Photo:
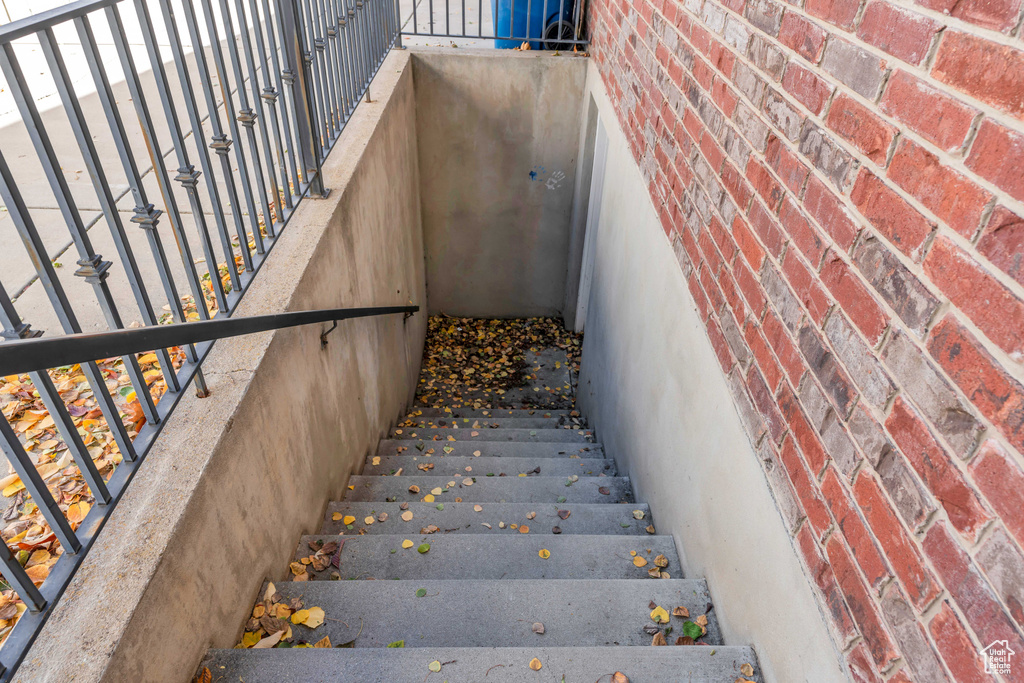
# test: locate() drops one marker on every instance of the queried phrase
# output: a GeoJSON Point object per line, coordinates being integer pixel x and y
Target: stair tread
{"type": "Point", "coordinates": [694, 664]}
{"type": "Point", "coordinates": [463, 519]}
{"type": "Point", "coordinates": [447, 422]}
{"type": "Point", "coordinates": [489, 412]}
{"type": "Point", "coordinates": [449, 465]}
{"type": "Point", "coordinates": [477, 556]}
{"type": "Point", "coordinates": [496, 613]}
{"type": "Point", "coordinates": [519, 435]}
{"type": "Point", "coordinates": [538, 488]}
{"type": "Point", "coordinates": [496, 449]}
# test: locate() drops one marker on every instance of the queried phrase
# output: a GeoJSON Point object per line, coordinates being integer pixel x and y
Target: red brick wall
{"type": "Point", "coordinates": [843, 183]}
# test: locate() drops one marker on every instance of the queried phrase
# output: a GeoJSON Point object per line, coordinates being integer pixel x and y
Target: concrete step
{"type": "Point", "coordinates": [477, 423]}
{"type": "Point", "coordinates": [475, 435]}
{"type": "Point", "coordinates": [491, 613]}
{"type": "Point", "coordinates": [486, 489]}
{"type": "Point", "coordinates": [513, 449]}
{"type": "Point", "coordinates": [462, 518]}
{"type": "Point", "coordinates": [692, 664]}
{"type": "Point", "coordinates": [496, 412]}
{"type": "Point", "coordinates": [447, 466]}
{"type": "Point", "coordinates": [490, 557]}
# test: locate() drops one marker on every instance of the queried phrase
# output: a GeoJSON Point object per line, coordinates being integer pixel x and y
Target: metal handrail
{"type": "Point", "coordinates": [27, 355]}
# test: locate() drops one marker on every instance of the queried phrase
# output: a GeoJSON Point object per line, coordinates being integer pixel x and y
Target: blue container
{"type": "Point", "coordinates": [525, 13]}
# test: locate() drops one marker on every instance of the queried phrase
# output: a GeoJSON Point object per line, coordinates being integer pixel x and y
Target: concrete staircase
{"type": "Point", "coordinates": [527, 523]}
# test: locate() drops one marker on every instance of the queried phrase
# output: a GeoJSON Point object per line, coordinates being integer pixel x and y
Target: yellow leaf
{"type": "Point", "coordinates": [77, 512]}
{"type": "Point", "coordinates": [297, 568]}
{"type": "Point", "coordinates": [535, 664]}
{"type": "Point", "coordinates": [369, 520]}
{"type": "Point", "coordinates": [523, 529]}
{"type": "Point", "coordinates": [544, 553]}
{"type": "Point", "coordinates": [428, 498]}
{"type": "Point", "coordinates": [13, 488]}
{"type": "Point", "coordinates": [659, 615]}
{"type": "Point", "coordinates": [478, 508]}
{"type": "Point", "coordinates": [407, 516]}
{"type": "Point", "coordinates": [38, 573]}
{"type": "Point", "coordinates": [300, 616]}
{"type": "Point", "coordinates": [147, 358]}
{"type": "Point", "coordinates": [250, 639]}
{"type": "Point", "coordinates": [407, 544]}
{"type": "Point", "coordinates": [336, 517]}
{"type": "Point", "coordinates": [348, 519]}
{"type": "Point", "coordinates": [437, 491]}
{"type": "Point", "coordinates": [375, 461]}
{"type": "Point", "coordinates": [315, 617]}
{"type": "Point", "coordinates": [639, 561]}
{"type": "Point", "coordinates": [323, 642]}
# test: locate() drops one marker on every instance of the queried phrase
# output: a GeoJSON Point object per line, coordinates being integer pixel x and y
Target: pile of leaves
{"type": "Point", "coordinates": [271, 622]}
{"type": "Point", "coordinates": [475, 361]}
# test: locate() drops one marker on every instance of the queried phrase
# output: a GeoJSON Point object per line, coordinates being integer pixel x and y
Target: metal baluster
{"type": "Point", "coordinates": [145, 215]}
{"type": "Point", "coordinates": [16, 576]}
{"type": "Point", "coordinates": [223, 145]}
{"type": "Point", "coordinates": [431, 8]}
{"type": "Point", "coordinates": [344, 72]}
{"type": "Point", "coordinates": [260, 121]}
{"type": "Point", "coordinates": [327, 56]}
{"type": "Point", "coordinates": [188, 176]}
{"type": "Point", "coordinates": [58, 69]}
{"type": "Point", "coordinates": [359, 21]}
{"type": "Point", "coordinates": [92, 266]}
{"type": "Point", "coordinates": [558, 22]}
{"type": "Point", "coordinates": [545, 11]}
{"type": "Point", "coordinates": [349, 53]}
{"type": "Point", "coordinates": [247, 117]}
{"type": "Point", "coordinates": [293, 192]}
{"type": "Point", "coordinates": [293, 49]}
{"type": "Point", "coordinates": [270, 95]}
{"type": "Point", "coordinates": [61, 304]}
{"type": "Point", "coordinates": [196, 120]}
{"type": "Point", "coordinates": [14, 328]}
{"type": "Point", "coordinates": [319, 82]}
{"type": "Point", "coordinates": [36, 487]}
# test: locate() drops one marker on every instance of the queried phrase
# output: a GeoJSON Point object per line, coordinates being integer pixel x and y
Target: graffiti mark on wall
{"type": "Point", "coordinates": [551, 180]}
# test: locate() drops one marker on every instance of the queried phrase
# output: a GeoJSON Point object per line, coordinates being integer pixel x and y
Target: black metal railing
{"type": "Point", "coordinates": [541, 24]}
{"type": "Point", "coordinates": [34, 357]}
{"type": "Point", "coordinates": [267, 86]}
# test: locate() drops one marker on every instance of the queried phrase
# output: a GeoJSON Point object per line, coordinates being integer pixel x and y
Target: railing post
{"type": "Point", "coordinates": [295, 54]}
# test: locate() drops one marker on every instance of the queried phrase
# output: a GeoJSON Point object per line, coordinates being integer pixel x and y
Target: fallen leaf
{"type": "Point", "coordinates": [684, 640]}
{"type": "Point", "coordinates": [681, 612]}
{"type": "Point", "coordinates": [421, 592]}
{"type": "Point", "coordinates": [324, 642]}
{"type": "Point", "coordinates": [638, 514]}
{"type": "Point", "coordinates": [203, 676]}
{"type": "Point", "coordinates": [315, 617]}
{"type": "Point", "coordinates": [544, 553]}
{"type": "Point", "coordinates": [661, 561]}
{"type": "Point", "coordinates": [336, 517]}
{"type": "Point", "coordinates": [531, 515]}
{"type": "Point", "coordinates": [396, 644]}
{"type": "Point", "coordinates": [437, 491]}
{"type": "Point", "coordinates": [650, 529]}
{"type": "Point", "coordinates": [478, 508]}
{"type": "Point", "coordinates": [538, 628]}
{"type": "Point", "coordinates": [250, 639]}
{"type": "Point", "coordinates": [434, 666]}
{"type": "Point", "coordinates": [414, 489]}
{"type": "Point", "coordinates": [423, 549]}
{"type": "Point", "coordinates": [659, 639]}
{"type": "Point", "coordinates": [349, 519]}
{"type": "Point", "coordinates": [604, 491]}
{"type": "Point", "coordinates": [747, 670]}
{"type": "Point", "coordinates": [368, 520]}
{"type": "Point", "coordinates": [535, 664]}
{"type": "Point", "coordinates": [639, 561]}
{"type": "Point", "coordinates": [564, 514]}
{"type": "Point", "coordinates": [523, 529]}
{"type": "Point", "coordinates": [659, 615]}
{"type": "Point", "coordinates": [269, 641]}
{"type": "Point", "coordinates": [407, 516]}
{"type": "Point", "coordinates": [407, 544]}
{"type": "Point", "coordinates": [429, 498]}
{"type": "Point", "coordinates": [619, 677]}
{"type": "Point", "coordinates": [468, 481]}
{"type": "Point", "coordinates": [692, 630]}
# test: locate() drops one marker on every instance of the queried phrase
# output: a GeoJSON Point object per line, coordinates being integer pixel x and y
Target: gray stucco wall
{"type": "Point", "coordinates": [652, 387]}
{"type": "Point", "coordinates": [238, 477]}
{"type": "Point", "coordinates": [498, 133]}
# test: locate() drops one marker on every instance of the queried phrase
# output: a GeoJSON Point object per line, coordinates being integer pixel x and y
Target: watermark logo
{"type": "Point", "coordinates": [997, 657]}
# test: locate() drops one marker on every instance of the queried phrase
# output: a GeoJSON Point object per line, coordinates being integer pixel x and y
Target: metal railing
{"type": "Point", "coordinates": [277, 81]}
{"type": "Point", "coordinates": [543, 24]}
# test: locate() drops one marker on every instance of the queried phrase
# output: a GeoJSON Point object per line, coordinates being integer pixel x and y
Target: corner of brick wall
{"type": "Point", "coordinates": [843, 184]}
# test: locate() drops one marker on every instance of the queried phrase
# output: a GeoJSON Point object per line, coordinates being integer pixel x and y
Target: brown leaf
{"type": "Point", "coordinates": [650, 529]}
{"type": "Point", "coordinates": [651, 629]}
{"type": "Point", "coordinates": [556, 529]}
{"type": "Point", "coordinates": [684, 640]}
{"type": "Point", "coordinates": [681, 612]}
{"type": "Point", "coordinates": [747, 670]}
{"type": "Point", "coordinates": [538, 628]}
{"type": "Point", "coordinates": [619, 677]}
{"type": "Point", "coordinates": [659, 639]}
{"type": "Point", "coordinates": [273, 624]}
{"type": "Point", "coordinates": [414, 489]}
{"type": "Point", "coordinates": [604, 491]}
{"type": "Point", "coordinates": [323, 642]}
{"type": "Point", "coordinates": [257, 611]}
{"type": "Point", "coordinates": [564, 514]}
{"type": "Point", "coordinates": [661, 561]}
{"type": "Point", "coordinates": [203, 676]}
